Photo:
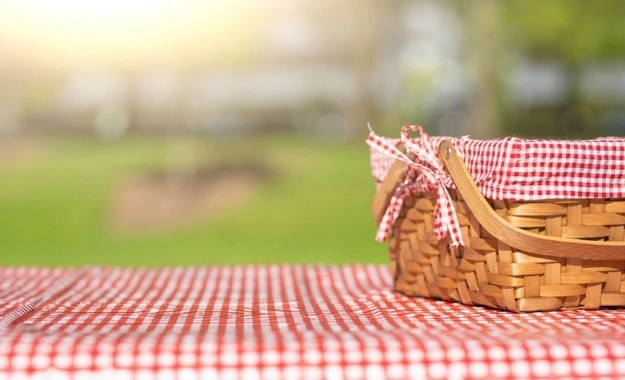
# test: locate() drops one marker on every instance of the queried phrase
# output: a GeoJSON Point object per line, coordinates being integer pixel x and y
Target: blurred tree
{"type": "Point", "coordinates": [484, 47]}
{"type": "Point", "coordinates": [572, 32]}
{"type": "Point", "coordinates": [486, 42]}
{"type": "Point", "coordinates": [359, 34]}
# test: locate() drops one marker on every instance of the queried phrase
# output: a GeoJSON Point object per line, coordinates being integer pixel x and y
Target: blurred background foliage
{"type": "Point", "coordinates": [195, 132]}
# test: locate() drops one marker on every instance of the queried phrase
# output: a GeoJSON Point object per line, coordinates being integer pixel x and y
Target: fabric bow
{"type": "Point", "coordinates": [420, 178]}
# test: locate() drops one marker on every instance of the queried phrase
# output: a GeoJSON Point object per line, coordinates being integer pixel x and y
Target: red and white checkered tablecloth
{"type": "Point", "coordinates": [280, 322]}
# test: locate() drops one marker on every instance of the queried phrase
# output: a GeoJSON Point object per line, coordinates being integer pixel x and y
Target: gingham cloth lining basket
{"type": "Point", "coordinates": [543, 230]}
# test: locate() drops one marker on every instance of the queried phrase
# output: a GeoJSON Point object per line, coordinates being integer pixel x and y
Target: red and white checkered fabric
{"type": "Point", "coordinates": [520, 169]}
{"type": "Point", "coordinates": [281, 322]}
{"type": "Point", "coordinates": [423, 175]}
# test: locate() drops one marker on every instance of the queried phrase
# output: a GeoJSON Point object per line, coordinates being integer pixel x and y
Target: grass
{"type": "Point", "coordinates": [55, 206]}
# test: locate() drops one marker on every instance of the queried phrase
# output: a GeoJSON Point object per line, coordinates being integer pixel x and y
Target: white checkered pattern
{"type": "Point", "coordinates": [517, 169]}
{"type": "Point", "coordinates": [282, 322]}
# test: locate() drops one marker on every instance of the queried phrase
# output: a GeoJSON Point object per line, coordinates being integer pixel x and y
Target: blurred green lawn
{"type": "Point", "coordinates": [55, 206]}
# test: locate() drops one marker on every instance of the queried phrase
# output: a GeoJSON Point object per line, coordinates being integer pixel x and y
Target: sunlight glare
{"type": "Point", "coordinates": [128, 33]}
{"type": "Point", "coordinates": [92, 10]}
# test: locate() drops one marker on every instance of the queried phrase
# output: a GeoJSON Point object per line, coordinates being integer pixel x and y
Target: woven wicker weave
{"type": "Point", "coordinates": [532, 256]}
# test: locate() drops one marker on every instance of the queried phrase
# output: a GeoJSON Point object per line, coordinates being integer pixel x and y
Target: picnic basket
{"type": "Point", "coordinates": [522, 225]}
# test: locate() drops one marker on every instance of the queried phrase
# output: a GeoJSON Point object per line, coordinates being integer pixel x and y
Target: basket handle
{"type": "Point", "coordinates": [546, 246]}
{"type": "Point", "coordinates": [383, 195]}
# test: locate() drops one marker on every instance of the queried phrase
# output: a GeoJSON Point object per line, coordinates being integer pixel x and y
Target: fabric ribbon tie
{"type": "Point", "coordinates": [420, 178]}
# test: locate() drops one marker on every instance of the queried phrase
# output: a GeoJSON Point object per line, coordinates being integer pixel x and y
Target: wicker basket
{"type": "Point", "coordinates": [520, 256]}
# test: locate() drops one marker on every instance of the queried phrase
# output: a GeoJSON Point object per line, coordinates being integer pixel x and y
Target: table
{"type": "Point", "coordinates": [280, 321]}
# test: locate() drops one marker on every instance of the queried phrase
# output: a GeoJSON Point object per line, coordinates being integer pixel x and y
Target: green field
{"type": "Point", "coordinates": [55, 204]}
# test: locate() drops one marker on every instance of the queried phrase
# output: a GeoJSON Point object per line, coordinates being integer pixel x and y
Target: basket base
{"type": "Point", "coordinates": [490, 273]}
